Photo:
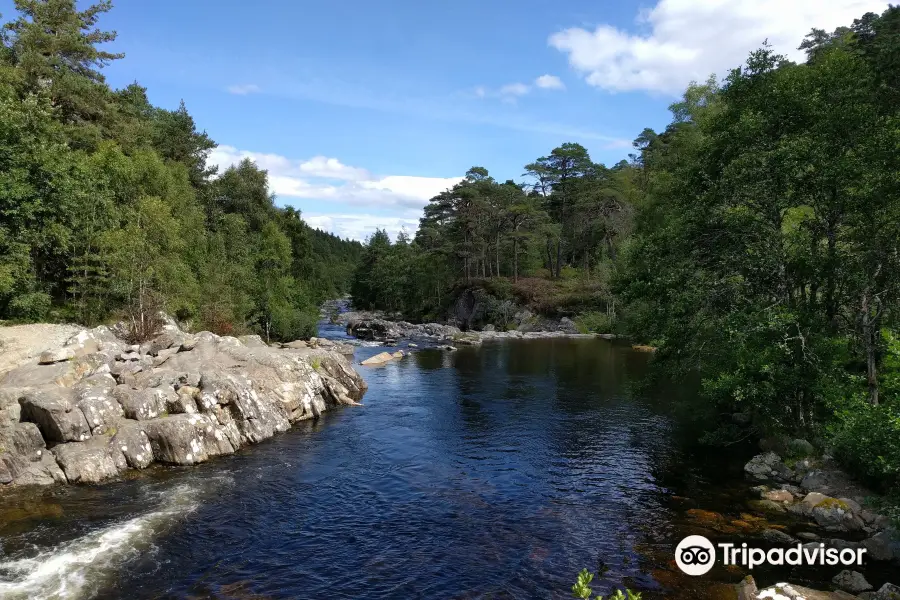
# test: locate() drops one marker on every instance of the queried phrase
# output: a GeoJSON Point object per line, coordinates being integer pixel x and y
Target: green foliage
{"type": "Point", "coordinates": [107, 201]}
{"type": "Point", "coordinates": [764, 252]}
{"type": "Point", "coordinates": [30, 307]}
{"type": "Point", "coordinates": [581, 589]}
{"type": "Point", "coordinates": [551, 245]}
{"type": "Point", "coordinates": [595, 322]}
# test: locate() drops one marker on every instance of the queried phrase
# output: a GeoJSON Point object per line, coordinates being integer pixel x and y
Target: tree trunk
{"type": "Point", "coordinates": [558, 258]}
{"type": "Point", "coordinates": [515, 260]}
{"type": "Point", "coordinates": [498, 253]}
{"type": "Point", "coordinates": [550, 256]}
{"type": "Point", "coordinates": [869, 331]}
{"type": "Point", "coordinates": [831, 262]}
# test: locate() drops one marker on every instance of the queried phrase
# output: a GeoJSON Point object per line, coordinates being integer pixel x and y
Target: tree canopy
{"type": "Point", "coordinates": [107, 201]}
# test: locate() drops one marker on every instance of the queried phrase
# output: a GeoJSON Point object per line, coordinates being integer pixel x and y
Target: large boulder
{"type": "Point", "coordinates": [374, 329]}
{"type": "Point", "coordinates": [132, 442]}
{"type": "Point", "coordinates": [764, 467]}
{"type": "Point", "coordinates": [55, 414]}
{"type": "Point", "coordinates": [115, 406]}
{"type": "Point", "coordinates": [851, 581]}
{"type": "Point", "coordinates": [186, 439]}
{"type": "Point", "coordinates": [888, 591]}
{"type": "Point", "coordinates": [836, 515]}
{"type": "Point", "coordinates": [24, 458]}
{"type": "Point", "coordinates": [88, 462]}
{"type": "Point", "coordinates": [141, 404]}
{"type": "Point", "coordinates": [378, 359]}
{"type": "Point", "coordinates": [94, 397]}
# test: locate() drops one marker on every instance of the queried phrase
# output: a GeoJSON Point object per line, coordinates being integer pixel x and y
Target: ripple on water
{"type": "Point", "coordinates": [493, 472]}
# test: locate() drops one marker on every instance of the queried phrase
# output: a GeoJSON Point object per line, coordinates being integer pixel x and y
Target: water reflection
{"type": "Point", "coordinates": [495, 472]}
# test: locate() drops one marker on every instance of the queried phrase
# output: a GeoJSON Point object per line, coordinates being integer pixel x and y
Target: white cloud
{"type": "Point", "coordinates": [549, 82]}
{"type": "Point", "coordinates": [361, 226]}
{"type": "Point", "coordinates": [690, 39]}
{"type": "Point", "coordinates": [329, 180]}
{"type": "Point", "coordinates": [321, 166]}
{"type": "Point", "coordinates": [244, 89]}
{"type": "Point", "coordinates": [514, 89]}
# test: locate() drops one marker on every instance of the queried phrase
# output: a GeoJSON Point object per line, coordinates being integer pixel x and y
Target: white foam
{"type": "Point", "coordinates": [79, 568]}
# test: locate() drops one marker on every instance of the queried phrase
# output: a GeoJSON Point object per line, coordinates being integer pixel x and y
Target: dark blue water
{"type": "Point", "coordinates": [496, 472]}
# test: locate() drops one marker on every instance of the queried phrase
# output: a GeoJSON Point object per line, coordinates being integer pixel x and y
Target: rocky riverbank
{"type": "Point", "coordinates": [374, 326]}
{"type": "Point", "coordinates": [823, 505]}
{"type": "Point", "coordinates": [96, 406]}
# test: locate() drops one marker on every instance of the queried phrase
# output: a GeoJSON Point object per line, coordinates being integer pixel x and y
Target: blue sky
{"type": "Point", "coordinates": [362, 110]}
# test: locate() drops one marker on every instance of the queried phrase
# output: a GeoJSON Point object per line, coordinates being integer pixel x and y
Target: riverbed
{"type": "Point", "coordinates": [491, 472]}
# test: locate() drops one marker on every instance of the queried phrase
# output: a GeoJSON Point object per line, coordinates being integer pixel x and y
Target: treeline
{"type": "Point", "coordinates": [766, 256]}
{"type": "Point", "coordinates": [755, 241]}
{"type": "Point", "coordinates": [550, 243]}
{"type": "Point", "coordinates": [107, 204]}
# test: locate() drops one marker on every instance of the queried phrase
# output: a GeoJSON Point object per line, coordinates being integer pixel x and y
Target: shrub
{"type": "Point", "coordinates": [594, 322]}
{"type": "Point", "coordinates": [867, 438]}
{"type": "Point", "coordinates": [31, 307]}
{"type": "Point", "coordinates": [143, 318]}
{"type": "Point", "coordinates": [581, 589]}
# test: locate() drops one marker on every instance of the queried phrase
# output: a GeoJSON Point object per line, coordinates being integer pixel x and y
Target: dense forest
{"type": "Point", "coordinates": [108, 207]}
{"type": "Point", "coordinates": [754, 241]}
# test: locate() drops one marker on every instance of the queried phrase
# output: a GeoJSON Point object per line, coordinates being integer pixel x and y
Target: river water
{"type": "Point", "coordinates": [492, 472]}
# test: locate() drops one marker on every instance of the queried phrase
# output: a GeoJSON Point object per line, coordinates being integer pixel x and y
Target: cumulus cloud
{"type": "Point", "coordinates": [244, 89]}
{"type": "Point", "coordinates": [361, 226]}
{"type": "Point", "coordinates": [549, 82]}
{"type": "Point", "coordinates": [329, 180]}
{"type": "Point", "coordinates": [690, 39]}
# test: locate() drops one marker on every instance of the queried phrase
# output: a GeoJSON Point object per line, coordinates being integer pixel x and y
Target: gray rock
{"type": "Point", "coordinates": [186, 439]}
{"type": "Point", "coordinates": [24, 458]}
{"type": "Point", "coordinates": [489, 328]}
{"type": "Point", "coordinates": [183, 401]}
{"type": "Point", "coordinates": [815, 480]}
{"type": "Point", "coordinates": [878, 547]}
{"type": "Point", "coordinates": [808, 536]}
{"type": "Point", "coordinates": [57, 417]}
{"type": "Point", "coordinates": [133, 443]}
{"type": "Point", "coordinates": [93, 396]}
{"type": "Point", "coordinates": [86, 462]}
{"type": "Point", "coordinates": [778, 537]}
{"type": "Point", "coordinates": [567, 325]}
{"type": "Point", "coordinates": [851, 581]}
{"type": "Point", "coordinates": [56, 355]}
{"type": "Point", "coordinates": [836, 515]}
{"type": "Point", "coordinates": [140, 404]}
{"type": "Point", "coordinates": [164, 341]}
{"type": "Point", "coordinates": [843, 544]}
{"type": "Point", "coordinates": [888, 591]}
{"type": "Point", "coordinates": [762, 466]}
{"type": "Point", "coordinates": [253, 341]}
{"type": "Point", "coordinates": [10, 409]}
{"type": "Point", "coordinates": [231, 394]}
{"type": "Point", "coordinates": [295, 345]}
{"type": "Point", "coordinates": [163, 355]}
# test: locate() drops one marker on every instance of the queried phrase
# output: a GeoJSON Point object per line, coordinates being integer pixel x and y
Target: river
{"type": "Point", "coordinates": [492, 472]}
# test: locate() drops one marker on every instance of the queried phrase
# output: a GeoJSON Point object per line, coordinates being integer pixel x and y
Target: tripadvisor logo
{"type": "Point", "coordinates": [696, 555]}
